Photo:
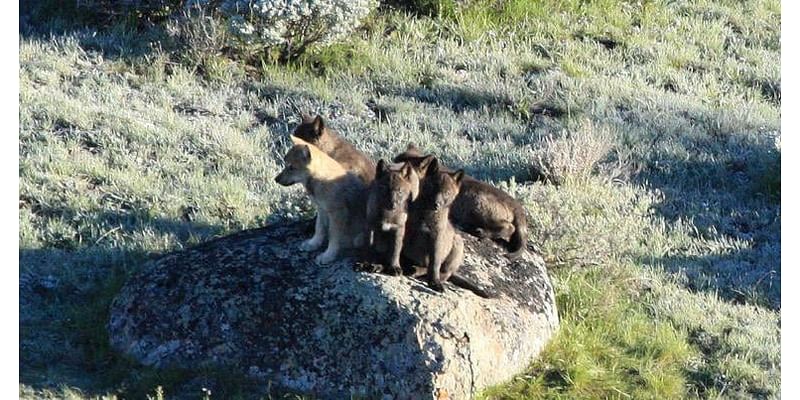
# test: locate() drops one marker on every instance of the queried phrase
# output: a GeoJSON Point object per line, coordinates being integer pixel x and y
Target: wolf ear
{"type": "Point", "coordinates": [406, 169]}
{"type": "Point", "coordinates": [319, 125]}
{"type": "Point", "coordinates": [413, 178]}
{"type": "Point", "coordinates": [428, 164]}
{"type": "Point", "coordinates": [413, 150]}
{"type": "Point", "coordinates": [381, 169]}
{"type": "Point", "coordinates": [458, 176]}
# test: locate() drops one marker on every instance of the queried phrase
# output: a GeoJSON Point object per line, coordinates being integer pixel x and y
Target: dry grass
{"type": "Point", "coordinates": [658, 121]}
{"type": "Point", "coordinates": [576, 155]}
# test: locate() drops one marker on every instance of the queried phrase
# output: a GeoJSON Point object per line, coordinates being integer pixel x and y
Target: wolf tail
{"type": "Point", "coordinates": [518, 240]}
{"type": "Point", "coordinates": [465, 283]}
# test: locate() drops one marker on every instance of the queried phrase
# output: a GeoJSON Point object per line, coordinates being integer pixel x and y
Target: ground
{"type": "Point", "coordinates": [642, 137]}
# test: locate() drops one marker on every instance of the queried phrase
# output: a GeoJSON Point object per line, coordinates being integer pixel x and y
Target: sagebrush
{"type": "Point", "coordinates": [292, 26]}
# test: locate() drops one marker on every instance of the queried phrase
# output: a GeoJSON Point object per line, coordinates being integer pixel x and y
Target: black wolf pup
{"type": "Point", "coordinates": [481, 209]}
{"type": "Point", "coordinates": [431, 241]}
{"type": "Point", "coordinates": [394, 188]}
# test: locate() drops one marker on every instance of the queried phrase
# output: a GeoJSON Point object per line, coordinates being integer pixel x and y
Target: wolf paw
{"type": "Point", "coordinates": [394, 270]}
{"type": "Point", "coordinates": [437, 286]}
{"type": "Point", "coordinates": [310, 245]}
{"type": "Point", "coordinates": [326, 257]}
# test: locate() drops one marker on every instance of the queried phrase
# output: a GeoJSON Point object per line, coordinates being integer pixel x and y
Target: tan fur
{"type": "Point", "coordinates": [315, 132]}
{"type": "Point", "coordinates": [394, 187]}
{"type": "Point", "coordinates": [322, 166]}
{"type": "Point", "coordinates": [482, 209]}
{"type": "Point", "coordinates": [338, 194]}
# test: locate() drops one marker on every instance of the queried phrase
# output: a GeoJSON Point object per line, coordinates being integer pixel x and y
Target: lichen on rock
{"type": "Point", "coordinates": [253, 302]}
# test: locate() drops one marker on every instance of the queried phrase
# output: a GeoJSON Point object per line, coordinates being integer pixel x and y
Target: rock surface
{"type": "Point", "coordinates": [252, 301]}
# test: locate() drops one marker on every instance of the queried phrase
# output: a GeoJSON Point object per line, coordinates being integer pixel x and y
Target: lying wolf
{"type": "Point", "coordinates": [482, 209]}
{"type": "Point", "coordinates": [340, 197]}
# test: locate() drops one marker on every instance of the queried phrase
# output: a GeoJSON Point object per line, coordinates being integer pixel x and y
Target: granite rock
{"type": "Point", "coordinates": [253, 302]}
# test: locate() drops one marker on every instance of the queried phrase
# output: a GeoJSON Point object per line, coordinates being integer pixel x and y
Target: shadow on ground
{"type": "Point", "coordinates": [456, 98]}
{"type": "Point", "coordinates": [46, 19]}
{"type": "Point", "coordinates": [64, 297]}
{"type": "Point", "coordinates": [728, 187]}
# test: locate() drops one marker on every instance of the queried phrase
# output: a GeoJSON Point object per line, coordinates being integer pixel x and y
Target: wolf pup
{"type": "Point", "coordinates": [431, 241]}
{"type": "Point", "coordinates": [338, 195]}
{"type": "Point", "coordinates": [482, 209]}
{"type": "Point", "coordinates": [314, 131]}
{"type": "Point", "coordinates": [394, 187]}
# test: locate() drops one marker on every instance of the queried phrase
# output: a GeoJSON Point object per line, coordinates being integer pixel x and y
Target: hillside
{"type": "Point", "coordinates": [643, 138]}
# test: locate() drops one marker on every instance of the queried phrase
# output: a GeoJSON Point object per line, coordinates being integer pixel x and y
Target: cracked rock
{"type": "Point", "coordinates": [253, 302]}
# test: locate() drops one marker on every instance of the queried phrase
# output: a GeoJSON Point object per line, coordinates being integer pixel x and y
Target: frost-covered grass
{"type": "Point", "coordinates": [643, 138]}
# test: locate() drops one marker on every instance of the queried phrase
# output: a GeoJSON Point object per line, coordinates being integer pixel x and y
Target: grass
{"type": "Point", "coordinates": [608, 347]}
{"type": "Point", "coordinates": [642, 137]}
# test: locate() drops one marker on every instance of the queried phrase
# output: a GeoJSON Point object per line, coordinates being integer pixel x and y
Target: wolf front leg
{"type": "Point", "coordinates": [434, 268]}
{"type": "Point", "coordinates": [454, 259]}
{"type": "Point", "coordinates": [397, 247]}
{"type": "Point", "coordinates": [336, 232]}
{"type": "Point", "coordinates": [398, 233]}
{"type": "Point", "coordinates": [320, 233]}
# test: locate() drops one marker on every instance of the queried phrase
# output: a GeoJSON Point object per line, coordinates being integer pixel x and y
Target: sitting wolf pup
{"type": "Point", "coordinates": [431, 241]}
{"type": "Point", "coordinates": [314, 131]}
{"type": "Point", "coordinates": [394, 187]}
{"type": "Point", "coordinates": [482, 209]}
{"type": "Point", "coordinates": [339, 196]}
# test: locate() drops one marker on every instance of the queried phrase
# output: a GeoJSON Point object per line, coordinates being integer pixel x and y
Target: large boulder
{"type": "Point", "coordinates": [253, 302]}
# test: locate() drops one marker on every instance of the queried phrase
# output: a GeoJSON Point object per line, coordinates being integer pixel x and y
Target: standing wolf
{"type": "Point", "coordinates": [339, 195]}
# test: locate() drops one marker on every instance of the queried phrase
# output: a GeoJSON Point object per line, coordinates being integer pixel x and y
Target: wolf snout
{"type": "Point", "coordinates": [281, 180]}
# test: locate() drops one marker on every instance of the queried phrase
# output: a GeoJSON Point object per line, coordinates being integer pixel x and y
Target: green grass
{"type": "Point", "coordinates": [608, 347]}
{"type": "Point", "coordinates": [642, 137]}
